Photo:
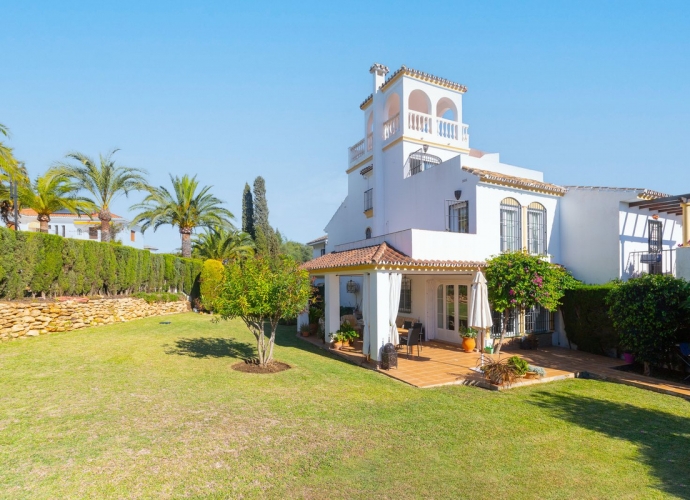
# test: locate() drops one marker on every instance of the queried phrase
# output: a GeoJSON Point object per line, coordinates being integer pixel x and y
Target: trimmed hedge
{"type": "Point", "coordinates": [44, 264]}
{"type": "Point", "coordinates": [586, 319]}
{"type": "Point", "coordinates": [212, 276]}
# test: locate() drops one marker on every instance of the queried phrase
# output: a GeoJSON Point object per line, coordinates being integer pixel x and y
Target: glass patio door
{"type": "Point", "coordinates": [451, 311]}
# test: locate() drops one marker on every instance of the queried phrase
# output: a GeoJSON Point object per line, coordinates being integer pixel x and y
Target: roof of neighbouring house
{"type": "Point", "coordinates": [516, 182]}
{"type": "Point", "coordinates": [419, 75]}
{"type": "Point", "coordinates": [647, 194]}
{"type": "Point", "coordinates": [381, 255]}
{"type": "Point", "coordinates": [320, 239]}
{"type": "Point", "coordinates": [30, 212]}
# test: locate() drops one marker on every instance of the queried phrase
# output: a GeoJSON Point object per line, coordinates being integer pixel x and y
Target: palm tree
{"type": "Point", "coordinates": [49, 193]}
{"type": "Point", "coordinates": [186, 208]}
{"type": "Point", "coordinates": [223, 244]}
{"type": "Point", "coordinates": [11, 170]}
{"type": "Point", "coordinates": [105, 181]}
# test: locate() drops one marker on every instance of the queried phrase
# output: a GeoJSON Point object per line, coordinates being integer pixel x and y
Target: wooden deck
{"type": "Point", "coordinates": [446, 364]}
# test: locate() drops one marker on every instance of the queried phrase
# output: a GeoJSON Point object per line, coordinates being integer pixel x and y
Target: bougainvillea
{"type": "Point", "coordinates": [518, 280]}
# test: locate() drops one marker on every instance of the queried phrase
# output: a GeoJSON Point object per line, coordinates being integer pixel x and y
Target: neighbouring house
{"type": "Point", "coordinates": [83, 227]}
{"type": "Point", "coordinates": [424, 211]}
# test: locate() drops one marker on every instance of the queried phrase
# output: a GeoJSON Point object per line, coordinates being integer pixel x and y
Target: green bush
{"type": "Point", "coordinates": [212, 275]}
{"type": "Point", "coordinates": [152, 298]}
{"type": "Point", "coordinates": [586, 319]}
{"type": "Point", "coordinates": [33, 264]}
{"type": "Point", "coordinates": [649, 316]}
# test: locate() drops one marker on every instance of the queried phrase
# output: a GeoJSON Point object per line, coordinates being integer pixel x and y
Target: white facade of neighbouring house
{"type": "Point", "coordinates": [83, 227]}
{"type": "Point", "coordinates": [426, 209]}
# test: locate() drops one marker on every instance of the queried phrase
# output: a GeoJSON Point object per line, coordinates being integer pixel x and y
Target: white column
{"type": "Point", "coordinates": [378, 308]}
{"type": "Point", "coordinates": [303, 318]}
{"type": "Point", "coordinates": [683, 262]}
{"type": "Point", "coordinates": [332, 306]}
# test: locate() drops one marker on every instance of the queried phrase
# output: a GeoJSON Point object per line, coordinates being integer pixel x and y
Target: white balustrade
{"type": "Point", "coordinates": [447, 128]}
{"type": "Point", "coordinates": [391, 127]}
{"type": "Point", "coordinates": [419, 122]}
{"type": "Point", "coordinates": [357, 151]}
{"type": "Point", "coordinates": [465, 133]}
{"type": "Point", "coordinates": [370, 141]}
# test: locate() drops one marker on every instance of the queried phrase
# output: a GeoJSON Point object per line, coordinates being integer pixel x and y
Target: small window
{"type": "Point", "coordinates": [368, 199]}
{"type": "Point", "coordinates": [93, 233]}
{"type": "Point", "coordinates": [323, 251]}
{"type": "Point", "coordinates": [367, 233]}
{"type": "Point", "coordinates": [79, 231]}
{"type": "Point", "coordinates": [512, 327]}
{"type": "Point", "coordinates": [132, 236]}
{"type": "Point", "coordinates": [536, 229]}
{"type": "Point", "coordinates": [405, 296]}
{"type": "Point", "coordinates": [510, 225]}
{"type": "Point", "coordinates": [539, 320]}
{"type": "Point", "coordinates": [458, 217]}
{"type": "Point", "coordinates": [63, 231]}
{"type": "Point", "coordinates": [655, 236]}
{"type": "Point", "coordinates": [57, 228]}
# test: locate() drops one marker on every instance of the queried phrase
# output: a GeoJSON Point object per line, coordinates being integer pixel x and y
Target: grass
{"type": "Point", "coordinates": [145, 410]}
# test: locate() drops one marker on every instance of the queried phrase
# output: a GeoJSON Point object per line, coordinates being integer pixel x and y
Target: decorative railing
{"type": "Point", "coordinates": [447, 128]}
{"type": "Point", "coordinates": [391, 127]}
{"type": "Point", "coordinates": [640, 263]}
{"type": "Point", "coordinates": [464, 133]}
{"type": "Point", "coordinates": [370, 141]}
{"type": "Point", "coordinates": [357, 151]}
{"type": "Point", "coordinates": [419, 122]}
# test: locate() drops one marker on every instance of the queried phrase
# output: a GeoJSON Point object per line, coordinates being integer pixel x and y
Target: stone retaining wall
{"type": "Point", "coordinates": [31, 319]}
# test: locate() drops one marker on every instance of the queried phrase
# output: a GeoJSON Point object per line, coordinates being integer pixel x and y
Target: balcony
{"type": "Point", "coordinates": [357, 152]}
{"type": "Point", "coordinates": [639, 263]}
{"type": "Point", "coordinates": [427, 127]}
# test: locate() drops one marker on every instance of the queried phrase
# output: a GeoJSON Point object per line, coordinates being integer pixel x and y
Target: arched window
{"type": "Point", "coordinates": [510, 225]}
{"type": "Point", "coordinates": [536, 229]}
{"type": "Point", "coordinates": [367, 233]}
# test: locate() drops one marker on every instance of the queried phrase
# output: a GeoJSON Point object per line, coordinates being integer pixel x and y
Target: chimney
{"type": "Point", "coordinates": [379, 71]}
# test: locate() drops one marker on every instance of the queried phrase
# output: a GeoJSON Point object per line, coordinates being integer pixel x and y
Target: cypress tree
{"type": "Point", "coordinates": [248, 212]}
{"type": "Point", "coordinates": [261, 227]}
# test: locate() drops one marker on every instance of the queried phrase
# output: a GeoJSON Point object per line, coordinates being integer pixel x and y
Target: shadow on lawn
{"type": "Point", "coordinates": [211, 347]}
{"type": "Point", "coordinates": [663, 439]}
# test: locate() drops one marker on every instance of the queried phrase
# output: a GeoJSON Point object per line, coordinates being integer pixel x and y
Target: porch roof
{"type": "Point", "coordinates": [382, 256]}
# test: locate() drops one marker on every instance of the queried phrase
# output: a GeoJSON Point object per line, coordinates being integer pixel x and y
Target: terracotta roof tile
{"type": "Point", "coordinates": [518, 182]}
{"type": "Point", "coordinates": [382, 254]}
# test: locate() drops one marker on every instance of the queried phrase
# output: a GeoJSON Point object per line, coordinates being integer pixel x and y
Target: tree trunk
{"type": "Point", "coordinates": [186, 233]}
{"type": "Point", "coordinates": [43, 221]}
{"type": "Point", "coordinates": [105, 217]}
{"type": "Point", "coordinates": [504, 329]}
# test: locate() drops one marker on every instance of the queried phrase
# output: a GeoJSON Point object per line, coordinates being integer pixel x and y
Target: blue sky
{"type": "Point", "coordinates": [592, 93]}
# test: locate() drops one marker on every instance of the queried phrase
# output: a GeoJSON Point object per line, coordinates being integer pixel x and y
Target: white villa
{"type": "Point", "coordinates": [82, 227]}
{"type": "Point", "coordinates": [424, 211]}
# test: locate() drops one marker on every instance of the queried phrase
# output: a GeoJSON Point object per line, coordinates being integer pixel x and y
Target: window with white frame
{"type": "Point", "coordinates": [536, 229]}
{"type": "Point", "coordinates": [405, 305]}
{"type": "Point", "coordinates": [458, 217]}
{"type": "Point", "coordinates": [510, 225]}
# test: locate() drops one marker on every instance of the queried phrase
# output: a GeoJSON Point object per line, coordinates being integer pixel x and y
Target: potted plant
{"type": "Point", "coordinates": [305, 330]}
{"type": "Point", "coordinates": [315, 314]}
{"type": "Point", "coordinates": [520, 366]}
{"type": "Point", "coordinates": [345, 335]}
{"type": "Point", "coordinates": [469, 336]}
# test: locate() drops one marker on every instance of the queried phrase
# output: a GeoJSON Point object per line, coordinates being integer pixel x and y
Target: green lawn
{"type": "Point", "coordinates": [144, 410]}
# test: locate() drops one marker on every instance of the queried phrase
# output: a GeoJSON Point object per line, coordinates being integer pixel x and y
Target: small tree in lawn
{"type": "Point", "coordinates": [649, 313]}
{"type": "Point", "coordinates": [521, 281]}
{"type": "Point", "coordinates": [261, 290]}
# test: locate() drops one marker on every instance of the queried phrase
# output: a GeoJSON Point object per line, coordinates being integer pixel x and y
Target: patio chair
{"type": "Point", "coordinates": [414, 337]}
{"type": "Point", "coordinates": [684, 354]}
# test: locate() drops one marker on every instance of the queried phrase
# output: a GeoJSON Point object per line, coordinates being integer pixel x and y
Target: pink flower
{"type": "Point", "coordinates": [511, 292]}
{"type": "Point", "coordinates": [513, 301]}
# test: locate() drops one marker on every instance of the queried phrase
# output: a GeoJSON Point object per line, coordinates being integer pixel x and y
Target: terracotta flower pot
{"type": "Point", "coordinates": [468, 344]}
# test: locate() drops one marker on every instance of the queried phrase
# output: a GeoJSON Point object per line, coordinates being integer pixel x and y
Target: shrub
{"type": "Point", "coordinates": [44, 264]}
{"type": "Point", "coordinates": [648, 315]}
{"type": "Point", "coordinates": [587, 321]}
{"type": "Point", "coordinates": [212, 275]}
{"type": "Point", "coordinates": [152, 298]}
{"type": "Point", "coordinates": [520, 365]}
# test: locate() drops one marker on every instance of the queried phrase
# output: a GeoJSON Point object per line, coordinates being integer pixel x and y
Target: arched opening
{"type": "Point", "coordinates": [392, 106]}
{"type": "Point", "coordinates": [445, 108]}
{"type": "Point", "coordinates": [511, 236]}
{"type": "Point", "coordinates": [419, 101]}
{"type": "Point", "coordinates": [418, 117]}
{"type": "Point", "coordinates": [536, 229]}
{"type": "Point", "coordinates": [367, 234]}
{"type": "Point", "coordinates": [392, 112]}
